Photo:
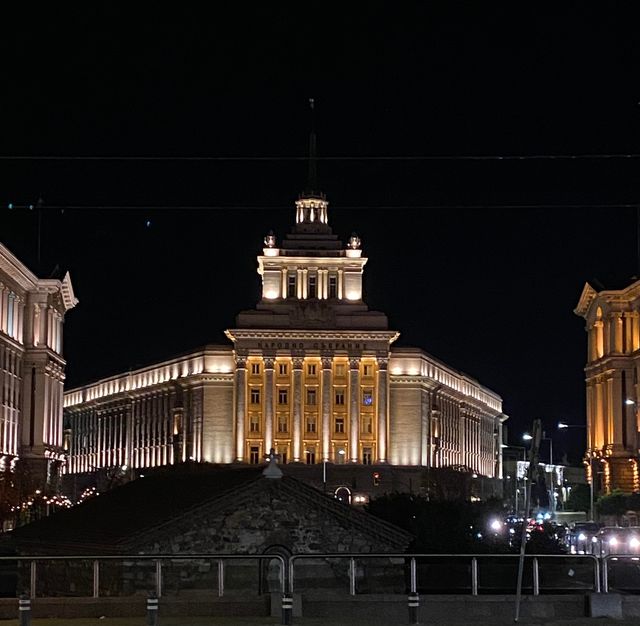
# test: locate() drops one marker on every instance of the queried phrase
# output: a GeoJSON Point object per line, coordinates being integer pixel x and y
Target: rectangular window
{"type": "Point", "coordinates": [283, 396]}
{"type": "Point", "coordinates": [254, 455]}
{"type": "Point", "coordinates": [255, 395]}
{"type": "Point", "coordinates": [282, 424]}
{"type": "Point", "coordinates": [291, 286]}
{"type": "Point", "coordinates": [311, 456]}
{"type": "Point", "coordinates": [367, 424]}
{"type": "Point", "coordinates": [367, 397]}
{"type": "Point", "coordinates": [283, 369]}
{"type": "Point", "coordinates": [368, 370]}
{"type": "Point", "coordinates": [282, 453]}
{"type": "Point", "coordinates": [312, 293]}
{"type": "Point", "coordinates": [340, 369]}
{"type": "Point", "coordinates": [255, 368]}
{"type": "Point", "coordinates": [311, 397]}
{"type": "Point", "coordinates": [311, 369]}
{"type": "Point", "coordinates": [367, 454]}
{"type": "Point", "coordinates": [340, 397]}
{"type": "Point", "coordinates": [254, 423]}
{"type": "Point", "coordinates": [311, 423]}
{"type": "Point", "coordinates": [333, 286]}
{"type": "Point", "coordinates": [339, 424]}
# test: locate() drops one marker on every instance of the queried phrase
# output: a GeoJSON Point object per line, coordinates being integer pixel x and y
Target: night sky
{"type": "Point", "coordinates": [478, 261]}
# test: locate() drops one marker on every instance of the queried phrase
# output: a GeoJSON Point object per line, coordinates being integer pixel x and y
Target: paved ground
{"type": "Point", "coordinates": [308, 621]}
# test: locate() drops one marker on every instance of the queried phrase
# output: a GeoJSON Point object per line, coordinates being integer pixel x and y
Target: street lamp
{"type": "Point", "coordinates": [562, 426]}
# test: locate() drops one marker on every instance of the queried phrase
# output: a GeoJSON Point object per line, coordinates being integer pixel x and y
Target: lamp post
{"type": "Point", "coordinates": [562, 426]}
{"type": "Point", "coordinates": [528, 437]}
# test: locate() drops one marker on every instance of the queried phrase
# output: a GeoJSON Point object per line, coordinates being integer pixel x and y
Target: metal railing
{"type": "Point", "coordinates": [158, 559]}
{"type": "Point", "coordinates": [472, 559]}
{"type": "Point", "coordinates": [621, 558]}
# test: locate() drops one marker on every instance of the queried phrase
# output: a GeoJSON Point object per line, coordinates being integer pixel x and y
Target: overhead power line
{"type": "Point", "coordinates": [388, 207]}
{"type": "Point", "coordinates": [442, 157]}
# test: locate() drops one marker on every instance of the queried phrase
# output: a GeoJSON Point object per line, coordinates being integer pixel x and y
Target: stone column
{"type": "Point", "coordinates": [383, 404]}
{"type": "Point", "coordinates": [297, 408]}
{"type": "Point", "coordinates": [284, 286]}
{"type": "Point", "coordinates": [326, 406]}
{"type": "Point", "coordinates": [618, 408]}
{"type": "Point", "coordinates": [241, 405]}
{"type": "Point", "coordinates": [268, 403]}
{"type": "Point", "coordinates": [354, 409]}
{"type": "Point", "coordinates": [617, 332]}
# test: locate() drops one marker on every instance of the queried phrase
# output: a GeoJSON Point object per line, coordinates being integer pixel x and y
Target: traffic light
{"type": "Point", "coordinates": [376, 479]}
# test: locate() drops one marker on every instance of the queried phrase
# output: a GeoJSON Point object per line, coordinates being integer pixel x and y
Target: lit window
{"type": "Point", "coordinates": [311, 397]}
{"type": "Point", "coordinates": [339, 425]}
{"type": "Point", "coordinates": [333, 286]}
{"type": "Point", "coordinates": [283, 369]}
{"type": "Point", "coordinates": [255, 368]}
{"type": "Point", "coordinates": [283, 396]}
{"type": "Point", "coordinates": [255, 396]}
{"type": "Point", "coordinates": [311, 423]}
{"type": "Point", "coordinates": [310, 456]}
{"type": "Point", "coordinates": [340, 396]}
{"type": "Point", "coordinates": [291, 286]}
{"type": "Point", "coordinates": [311, 369]}
{"type": "Point", "coordinates": [367, 397]}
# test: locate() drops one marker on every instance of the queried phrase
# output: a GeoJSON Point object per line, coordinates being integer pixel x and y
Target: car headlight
{"type": "Point", "coordinates": [582, 537]}
{"type": "Point", "coordinates": [634, 543]}
{"type": "Point", "coordinates": [613, 541]}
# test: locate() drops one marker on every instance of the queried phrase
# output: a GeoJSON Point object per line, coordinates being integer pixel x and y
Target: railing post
{"type": "Point", "coordinates": [474, 576]}
{"type": "Point", "coordinates": [24, 610]}
{"type": "Point", "coordinates": [597, 574]}
{"type": "Point", "coordinates": [605, 575]}
{"type": "Point", "coordinates": [33, 578]}
{"type": "Point", "coordinates": [536, 577]}
{"type": "Point", "coordinates": [287, 608]}
{"type": "Point", "coordinates": [220, 578]}
{"type": "Point", "coordinates": [413, 599]}
{"type": "Point", "coordinates": [96, 579]}
{"type": "Point", "coordinates": [352, 576]}
{"type": "Point", "coordinates": [158, 578]}
{"type": "Point", "coordinates": [152, 609]}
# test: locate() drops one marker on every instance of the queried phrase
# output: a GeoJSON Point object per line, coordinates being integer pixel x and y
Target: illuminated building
{"type": "Point", "coordinates": [32, 368]}
{"type": "Point", "coordinates": [311, 372]}
{"type": "Point", "coordinates": [612, 323]}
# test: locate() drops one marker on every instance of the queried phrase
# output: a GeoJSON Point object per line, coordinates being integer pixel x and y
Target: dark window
{"type": "Point", "coordinates": [312, 287]}
{"type": "Point", "coordinates": [283, 396]}
{"type": "Point", "coordinates": [291, 286]}
{"type": "Point", "coordinates": [333, 286]}
{"type": "Point", "coordinates": [311, 397]}
{"type": "Point", "coordinates": [339, 424]}
{"type": "Point", "coordinates": [254, 455]}
{"type": "Point", "coordinates": [255, 396]}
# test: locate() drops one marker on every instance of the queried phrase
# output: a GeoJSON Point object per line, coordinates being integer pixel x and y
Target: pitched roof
{"type": "Point", "coordinates": [116, 520]}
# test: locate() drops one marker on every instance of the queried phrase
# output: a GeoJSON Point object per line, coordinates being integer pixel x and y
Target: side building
{"type": "Point", "coordinates": [311, 372]}
{"type": "Point", "coordinates": [613, 363]}
{"type": "Point", "coordinates": [32, 368]}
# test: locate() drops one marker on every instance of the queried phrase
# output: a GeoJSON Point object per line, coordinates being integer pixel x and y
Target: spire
{"type": "Point", "coordinates": [311, 206]}
{"type": "Point", "coordinates": [312, 179]}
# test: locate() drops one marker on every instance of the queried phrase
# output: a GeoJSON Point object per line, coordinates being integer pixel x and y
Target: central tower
{"type": "Point", "coordinates": [311, 359]}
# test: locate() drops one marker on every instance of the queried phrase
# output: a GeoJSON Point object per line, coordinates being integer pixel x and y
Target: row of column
{"type": "Point", "coordinates": [326, 395]}
{"type": "Point", "coordinates": [618, 334]}
{"type": "Point", "coordinates": [302, 283]}
{"type": "Point", "coordinates": [11, 313]}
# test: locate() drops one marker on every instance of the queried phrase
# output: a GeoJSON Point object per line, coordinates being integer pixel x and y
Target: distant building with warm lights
{"type": "Point", "coordinates": [32, 368]}
{"type": "Point", "coordinates": [310, 372]}
{"type": "Point", "coordinates": [613, 361]}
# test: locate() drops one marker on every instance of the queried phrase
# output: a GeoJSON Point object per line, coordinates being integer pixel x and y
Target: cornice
{"type": "Point", "coordinates": [16, 270]}
{"type": "Point", "coordinates": [589, 294]}
{"type": "Point", "coordinates": [313, 335]}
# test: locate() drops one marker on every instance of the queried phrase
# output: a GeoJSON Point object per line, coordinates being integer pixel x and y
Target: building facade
{"type": "Point", "coordinates": [310, 372]}
{"type": "Point", "coordinates": [32, 367]}
{"type": "Point", "coordinates": [613, 361]}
